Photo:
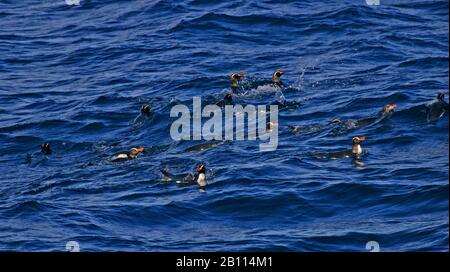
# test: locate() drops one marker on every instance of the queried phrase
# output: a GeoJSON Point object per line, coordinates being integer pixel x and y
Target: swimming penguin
{"type": "Point", "coordinates": [355, 152]}
{"type": "Point", "coordinates": [356, 145]}
{"type": "Point", "coordinates": [45, 149]}
{"type": "Point", "coordinates": [227, 100]}
{"type": "Point", "coordinates": [436, 108]}
{"type": "Point", "coordinates": [347, 125]}
{"type": "Point", "coordinates": [132, 154]}
{"type": "Point", "coordinates": [198, 178]}
{"type": "Point", "coordinates": [384, 113]}
{"type": "Point", "coordinates": [235, 88]}
{"type": "Point", "coordinates": [41, 154]}
{"type": "Point", "coordinates": [201, 177]}
{"type": "Point", "coordinates": [276, 78]}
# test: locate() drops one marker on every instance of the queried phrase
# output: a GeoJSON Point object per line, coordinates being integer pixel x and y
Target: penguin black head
{"type": "Point", "coordinates": [135, 151]}
{"type": "Point", "coordinates": [145, 109]}
{"type": "Point", "coordinates": [45, 148]}
{"type": "Point", "coordinates": [276, 76]}
{"type": "Point", "coordinates": [237, 76]}
{"type": "Point", "coordinates": [228, 97]}
{"type": "Point", "coordinates": [357, 140]}
{"type": "Point", "coordinates": [441, 96]}
{"type": "Point", "coordinates": [201, 168]}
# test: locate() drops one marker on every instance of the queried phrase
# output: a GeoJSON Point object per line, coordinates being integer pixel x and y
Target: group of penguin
{"type": "Point", "coordinates": [435, 110]}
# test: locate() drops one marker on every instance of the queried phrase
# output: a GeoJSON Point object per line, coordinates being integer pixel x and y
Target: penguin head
{"type": "Point", "coordinates": [441, 96]}
{"type": "Point", "coordinates": [228, 97]}
{"type": "Point", "coordinates": [276, 76]}
{"type": "Point", "coordinates": [135, 151]}
{"type": "Point", "coordinates": [45, 148]}
{"type": "Point", "coordinates": [145, 109]}
{"type": "Point", "coordinates": [356, 147]}
{"type": "Point", "coordinates": [357, 140]}
{"type": "Point", "coordinates": [201, 168]}
{"type": "Point", "coordinates": [389, 108]}
{"type": "Point", "coordinates": [334, 121]}
{"type": "Point", "coordinates": [235, 77]}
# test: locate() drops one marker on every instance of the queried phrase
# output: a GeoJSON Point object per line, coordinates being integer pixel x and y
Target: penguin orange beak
{"type": "Point", "coordinates": [282, 71]}
{"type": "Point", "coordinates": [139, 149]}
{"type": "Point", "coordinates": [200, 167]}
{"type": "Point", "coordinates": [241, 74]}
{"type": "Point", "coordinates": [361, 138]}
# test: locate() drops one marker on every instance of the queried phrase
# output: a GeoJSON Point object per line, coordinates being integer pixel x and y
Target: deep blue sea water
{"type": "Point", "coordinates": [76, 76]}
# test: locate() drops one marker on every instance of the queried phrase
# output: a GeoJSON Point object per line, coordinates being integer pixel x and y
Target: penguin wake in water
{"type": "Point", "coordinates": [282, 103]}
{"type": "Point", "coordinates": [355, 152]}
{"type": "Point", "coordinates": [198, 178]}
{"type": "Point", "coordinates": [348, 125]}
{"type": "Point", "coordinates": [235, 88]}
{"type": "Point", "coordinates": [132, 154]}
{"type": "Point", "coordinates": [436, 108]}
{"type": "Point", "coordinates": [280, 99]}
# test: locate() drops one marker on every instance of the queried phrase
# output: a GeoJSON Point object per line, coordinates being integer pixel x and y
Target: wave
{"type": "Point", "coordinates": [76, 77]}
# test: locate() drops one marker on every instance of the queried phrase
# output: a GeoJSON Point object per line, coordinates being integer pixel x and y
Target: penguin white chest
{"type": "Point", "coordinates": [121, 156]}
{"type": "Point", "coordinates": [201, 179]}
{"type": "Point", "coordinates": [357, 149]}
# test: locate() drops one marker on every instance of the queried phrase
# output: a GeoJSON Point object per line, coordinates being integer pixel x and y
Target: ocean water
{"type": "Point", "coordinates": [75, 76]}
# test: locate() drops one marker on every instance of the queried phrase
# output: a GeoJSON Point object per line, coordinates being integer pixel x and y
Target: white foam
{"type": "Point", "coordinates": [266, 89]}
